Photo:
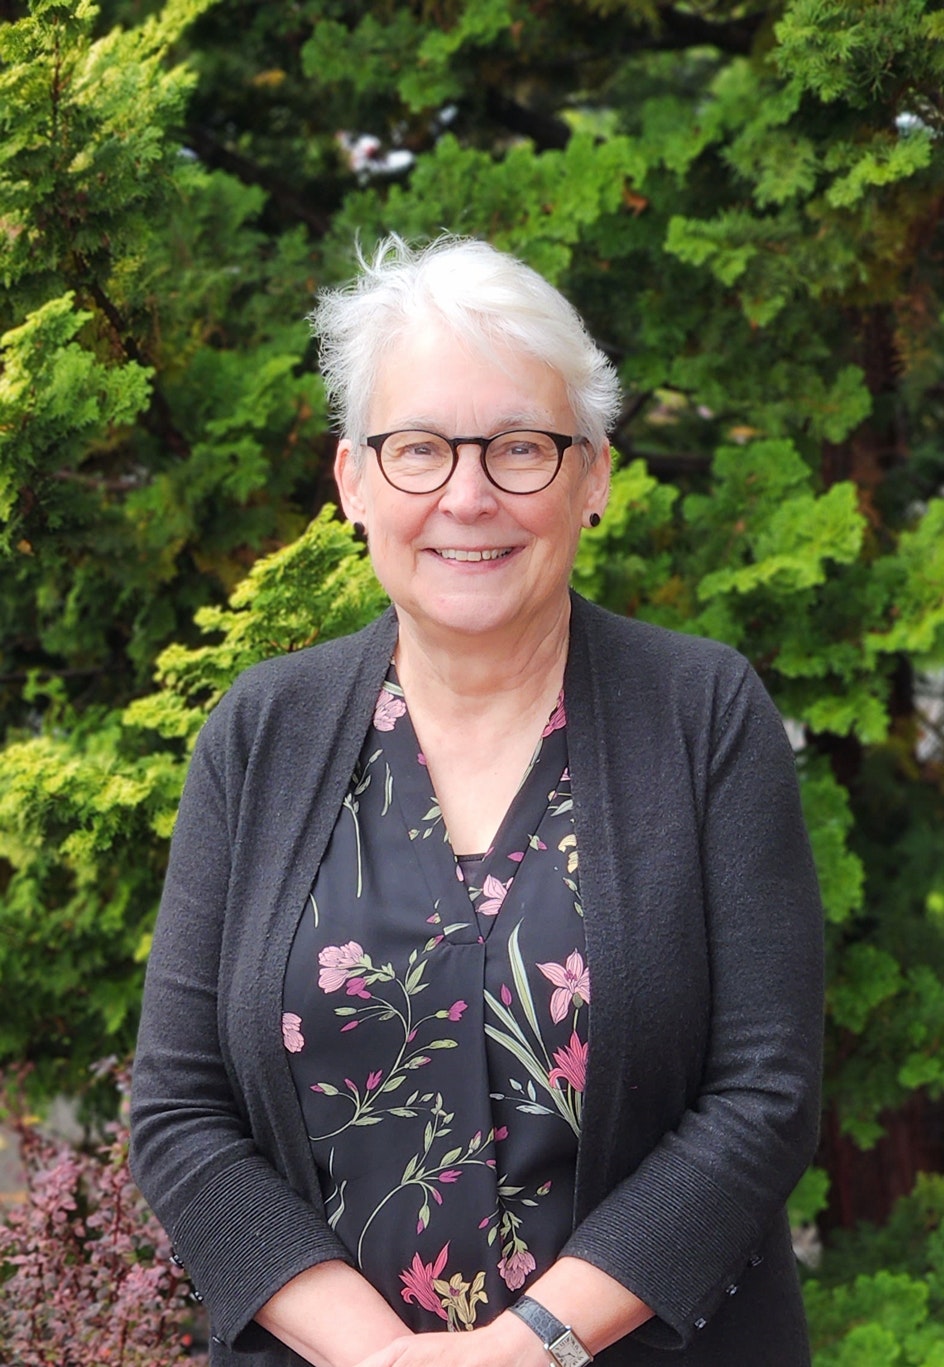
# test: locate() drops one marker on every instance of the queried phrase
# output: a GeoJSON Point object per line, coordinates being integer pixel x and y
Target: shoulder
{"type": "Point", "coordinates": [311, 688]}
{"type": "Point", "coordinates": [623, 653]}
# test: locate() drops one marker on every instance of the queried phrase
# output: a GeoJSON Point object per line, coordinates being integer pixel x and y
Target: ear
{"type": "Point", "coordinates": [349, 480]}
{"type": "Point", "coordinates": [597, 485]}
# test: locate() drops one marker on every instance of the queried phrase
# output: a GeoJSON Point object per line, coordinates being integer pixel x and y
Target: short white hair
{"type": "Point", "coordinates": [483, 296]}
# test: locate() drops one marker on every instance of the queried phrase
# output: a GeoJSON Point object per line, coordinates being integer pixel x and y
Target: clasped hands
{"type": "Point", "coordinates": [506, 1342]}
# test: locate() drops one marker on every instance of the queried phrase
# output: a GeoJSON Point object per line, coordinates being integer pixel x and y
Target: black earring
{"type": "Point", "coordinates": [360, 531]}
{"type": "Point", "coordinates": [594, 519]}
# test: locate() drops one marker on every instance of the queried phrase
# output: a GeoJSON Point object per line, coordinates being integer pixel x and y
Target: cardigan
{"type": "Point", "coordinates": [704, 946]}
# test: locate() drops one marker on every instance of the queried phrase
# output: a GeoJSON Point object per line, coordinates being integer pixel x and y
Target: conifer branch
{"type": "Point", "coordinates": [214, 153]}
{"type": "Point", "coordinates": [157, 419]}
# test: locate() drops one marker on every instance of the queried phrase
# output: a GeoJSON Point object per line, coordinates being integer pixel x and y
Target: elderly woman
{"type": "Point", "coordinates": [486, 989]}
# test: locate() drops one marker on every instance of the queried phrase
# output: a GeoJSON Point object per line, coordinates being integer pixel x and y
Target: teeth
{"type": "Point", "coordinates": [474, 555]}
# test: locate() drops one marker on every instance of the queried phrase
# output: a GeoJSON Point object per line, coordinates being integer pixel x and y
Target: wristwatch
{"type": "Point", "coordinates": [559, 1339]}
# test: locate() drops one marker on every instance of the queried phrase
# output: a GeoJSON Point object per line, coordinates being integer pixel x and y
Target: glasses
{"type": "Point", "coordinates": [516, 462]}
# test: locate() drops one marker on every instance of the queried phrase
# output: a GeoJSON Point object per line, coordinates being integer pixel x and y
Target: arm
{"type": "Point", "coordinates": [331, 1316]}
{"type": "Point", "coordinates": [248, 1239]}
{"type": "Point", "coordinates": [739, 895]}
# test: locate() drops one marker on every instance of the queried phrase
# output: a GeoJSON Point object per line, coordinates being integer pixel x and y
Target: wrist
{"type": "Point", "coordinates": [559, 1342]}
{"type": "Point", "coordinates": [514, 1341]}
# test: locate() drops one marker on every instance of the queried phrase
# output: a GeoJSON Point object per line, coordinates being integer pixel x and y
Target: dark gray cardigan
{"type": "Point", "coordinates": [704, 944]}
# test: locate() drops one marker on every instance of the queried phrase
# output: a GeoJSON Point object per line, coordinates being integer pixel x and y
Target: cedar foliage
{"type": "Point", "coordinates": [744, 200]}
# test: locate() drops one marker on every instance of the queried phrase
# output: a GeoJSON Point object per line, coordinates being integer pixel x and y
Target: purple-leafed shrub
{"type": "Point", "coordinates": [86, 1278]}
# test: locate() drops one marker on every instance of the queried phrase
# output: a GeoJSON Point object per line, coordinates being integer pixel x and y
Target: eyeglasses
{"type": "Point", "coordinates": [515, 462]}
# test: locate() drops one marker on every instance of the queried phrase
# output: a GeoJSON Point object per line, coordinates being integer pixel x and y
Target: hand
{"type": "Point", "coordinates": [507, 1342]}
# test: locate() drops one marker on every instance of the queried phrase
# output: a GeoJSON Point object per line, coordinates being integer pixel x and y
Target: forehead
{"type": "Point", "coordinates": [431, 377]}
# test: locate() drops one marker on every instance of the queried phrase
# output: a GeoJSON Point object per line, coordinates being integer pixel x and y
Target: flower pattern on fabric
{"type": "Point", "coordinates": [494, 891]}
{"type": "Point", "coordinates": [446, 1004]}
{"type": "Point", "coordinates": [572, 985]}
{"type": "Point", "coordinates": [571, 1063]}
{"type": "Point", "coordinates": [388, 710]}
{"type": "Point", "coordinates": [292, 1036]}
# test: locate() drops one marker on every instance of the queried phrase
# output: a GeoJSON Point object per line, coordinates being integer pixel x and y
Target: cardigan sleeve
{"type": "Point", "coordinates": [683, 1228]}
{"type": "Point", "coordinates": [238, 1226]}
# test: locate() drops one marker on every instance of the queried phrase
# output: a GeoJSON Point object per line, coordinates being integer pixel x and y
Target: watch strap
{"type": "Point", "coordinates": [548, 1327]}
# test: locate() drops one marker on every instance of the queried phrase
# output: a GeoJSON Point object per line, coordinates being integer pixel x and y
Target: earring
{"type": "Point", "coordinates": [594, 519]}
{"type": "Point", "coordinates": [360, 531]}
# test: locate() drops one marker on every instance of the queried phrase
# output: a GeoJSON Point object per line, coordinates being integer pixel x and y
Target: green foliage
{"type": "Point", "coordinates": [878, 1296]}
{"type": "Point", "coordinates": [55, 397]}
{"type": "Point", "coordinates": [157, 424]}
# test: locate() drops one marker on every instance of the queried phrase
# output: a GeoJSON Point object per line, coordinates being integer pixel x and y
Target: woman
{"type": "Point", "coordinates": [526, 886]}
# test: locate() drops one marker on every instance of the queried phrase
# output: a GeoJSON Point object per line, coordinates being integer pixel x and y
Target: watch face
{"type": "Point", "coordinates": [568, 1351]}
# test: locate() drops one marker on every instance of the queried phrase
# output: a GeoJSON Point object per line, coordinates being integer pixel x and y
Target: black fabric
{"type": "Point", "coordinates": [704, 945]}
{"type": "Point", "coordinates": [436, 1031]}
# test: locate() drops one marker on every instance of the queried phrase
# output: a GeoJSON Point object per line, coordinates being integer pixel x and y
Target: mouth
{"type": "Point", "coordinates": [473, 556]}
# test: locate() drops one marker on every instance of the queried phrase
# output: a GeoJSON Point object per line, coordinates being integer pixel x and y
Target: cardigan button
{"type": "Point", "coordinates": [756, 1259]}
{"type": "Point", "coordinates": [731, 1290]}
{"type": "Point", "coordinates": [701, 1322]}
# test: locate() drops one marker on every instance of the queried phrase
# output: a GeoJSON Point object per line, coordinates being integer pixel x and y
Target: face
{"type": "Point", "coordinates": [432, 381]}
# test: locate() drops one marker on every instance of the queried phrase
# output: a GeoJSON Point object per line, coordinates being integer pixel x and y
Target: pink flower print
{"type": "Point", "coordinates": [292, 1036]}
{"type": "Point", "coordinates": [356, 987]}
{"type": "Point", "coordinates": [571, 984]}
{"type": "Point", "coordinates": [501, 1132]}
{"type": "Point", "coordinates": [337, 963]}
{"type": "Point", "coordinates": [389, 708]}
{"type": "Point", "coordinates": [495, 891]}
{"type": "Point", "coordinates": [557, 720]}
{"type": "Point", "coordinates": [571, 1063]}
{"type": "Point", "coordinates": [456, 1009]}
{"type": "Point", "coordinates": [373, 1080]}
{"type": "Point", "coordinates": [506, 996]}
{"type": "Point", "coordinates": [418, 1281]}
{"type": "Point", "coordinates": [450, 1175]}
{"type": "Point", "coordinates": [515, 1269]}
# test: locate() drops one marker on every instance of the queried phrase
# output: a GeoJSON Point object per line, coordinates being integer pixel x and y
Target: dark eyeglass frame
{"type": "Point", "coordinates": [560, 439]}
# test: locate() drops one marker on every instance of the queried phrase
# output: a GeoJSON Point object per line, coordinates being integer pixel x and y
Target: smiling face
{"type": "Point", "coordinates": [469, 558]}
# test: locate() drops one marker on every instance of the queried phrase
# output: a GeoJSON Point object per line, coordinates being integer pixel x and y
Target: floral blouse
{"type": "Point", "coordinates": [436, 1020]}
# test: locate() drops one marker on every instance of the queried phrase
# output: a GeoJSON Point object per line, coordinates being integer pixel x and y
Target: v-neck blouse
{"type": "Point", "coordinates": [436, 1021]}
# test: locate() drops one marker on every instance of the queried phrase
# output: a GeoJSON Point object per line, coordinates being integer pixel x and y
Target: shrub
{"type": "Point", "coordinates": [85, 1268]}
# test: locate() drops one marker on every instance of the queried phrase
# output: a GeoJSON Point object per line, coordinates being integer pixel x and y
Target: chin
{"type": "Point", "coordinates": [476, 615]}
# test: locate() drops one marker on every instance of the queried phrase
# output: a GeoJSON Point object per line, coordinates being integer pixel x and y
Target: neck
{"type": "Point", "coordinates": [451, 672]}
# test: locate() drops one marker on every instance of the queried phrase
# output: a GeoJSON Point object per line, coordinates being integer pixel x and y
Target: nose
{"type": "Point", "coordinates": [469, 494]}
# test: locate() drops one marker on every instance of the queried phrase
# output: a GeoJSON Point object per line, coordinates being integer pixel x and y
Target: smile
{"type": "Point", "coordinates": [474, 555]}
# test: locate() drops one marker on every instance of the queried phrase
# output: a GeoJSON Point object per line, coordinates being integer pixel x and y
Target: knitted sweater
{"type": "Point", "coordinates": [704, 946]}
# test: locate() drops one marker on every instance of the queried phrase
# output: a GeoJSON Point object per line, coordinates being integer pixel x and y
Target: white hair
{"type": "Point", "coordinates": [482, 295]}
